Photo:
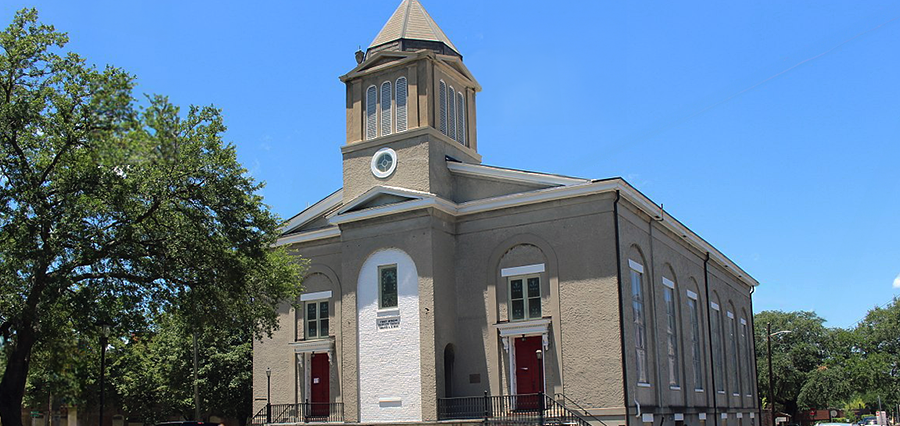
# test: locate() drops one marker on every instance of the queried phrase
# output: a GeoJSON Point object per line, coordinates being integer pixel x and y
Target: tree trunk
{"type": "Point", "coordinates": [12, 386]}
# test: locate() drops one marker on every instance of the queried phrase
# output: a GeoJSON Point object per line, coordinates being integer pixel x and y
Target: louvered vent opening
{"type": "Point", "coordinates": [385, 108]}
{"type": "Point", "coordinates": [451, 113]}
{"type": "Point", "coordinates": [401, 104]}
{"type": "Point", "coordinates": [371, 109]}
{"type": "Point", "coordinates": [442, 99]}
{"type": "Point", "coordinates": [460, 119]}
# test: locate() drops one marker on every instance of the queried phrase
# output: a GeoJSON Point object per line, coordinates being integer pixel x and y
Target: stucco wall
{"type": "Point", "coordinates": [666, 255]}
{"type": "Point", "coordinates": [389, 354]}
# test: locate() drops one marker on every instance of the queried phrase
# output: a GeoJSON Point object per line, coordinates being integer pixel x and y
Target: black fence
{"type": "Point", "coordinates": [304, 412]}
{"type": "Point", "coordinates": [528, 409]}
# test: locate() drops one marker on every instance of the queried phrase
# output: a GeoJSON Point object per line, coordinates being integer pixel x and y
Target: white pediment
{"type": "Point", "coordinates": [381, 196]}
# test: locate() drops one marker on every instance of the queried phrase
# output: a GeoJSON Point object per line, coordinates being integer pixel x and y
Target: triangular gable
{"type": "Point", "coordinates": [381, 196]}
{"type": "Point", "coordinates": [314, 214]}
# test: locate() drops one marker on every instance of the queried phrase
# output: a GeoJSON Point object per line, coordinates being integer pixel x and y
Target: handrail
{"type": "Point", "coordinates": [583, 410]}
{"type": "Point", "coordinates": [303, 412]}
{"type": "Point", "coordinates": [525, 409]}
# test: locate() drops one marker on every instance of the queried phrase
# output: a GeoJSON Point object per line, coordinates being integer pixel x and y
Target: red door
{"type": "Point", "coordinates": [319, 385]}
{"type": "Point", "coordinates": [529, 372]}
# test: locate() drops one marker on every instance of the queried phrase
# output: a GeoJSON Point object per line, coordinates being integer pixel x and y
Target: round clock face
{"type": "Point", "coordinates": [384, 162]}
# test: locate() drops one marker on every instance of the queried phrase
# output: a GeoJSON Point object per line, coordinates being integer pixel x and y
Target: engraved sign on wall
{"type": "Point", "coordinates": [388, 323]}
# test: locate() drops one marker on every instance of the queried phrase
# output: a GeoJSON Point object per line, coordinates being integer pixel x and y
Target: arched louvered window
{"type": "Point", "coordinates": [451, 114]}
{"type": "Point", "coordinates": [371, 111]}
{"type": "Point", "coordinates": [442, 98]}
{"type": "Point", "coordinates": [401, 104]}
{"type": "Point", "coordinates": [385, 108]}
{"type": "Point", "coordinates": [461, 119]}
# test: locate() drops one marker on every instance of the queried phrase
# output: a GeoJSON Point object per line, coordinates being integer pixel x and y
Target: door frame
{"type": "Point", "coordinates": [511, 353]}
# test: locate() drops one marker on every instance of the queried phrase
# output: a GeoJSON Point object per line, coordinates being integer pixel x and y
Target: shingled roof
{"type": "Point", "coordinates": [410, 22]}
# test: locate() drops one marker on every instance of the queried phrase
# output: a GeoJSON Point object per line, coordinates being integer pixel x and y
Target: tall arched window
{"type": "Point", "coordinates": [371, 110]}
{"type": "Point", "coordinates": [696, 352]}
{"type": "Point", "coordinates": [442, 99]}
{"type": "Point", "coordinates": [715, 321]}
{"type": "Point", "coordinates": [671, 332]}
{"type": "Point", "coordinates": [451, 114]}
{"type": "Point", "coordinates": [385, 108]}
{"type": "Point", "coordinates": [401, 104]}
{"type": "Point", "coordinates": [460, 119]}
{"type": "Point", "coordinates": [640, 320]}
{"type": "Point", "coordinates": [735, 366]}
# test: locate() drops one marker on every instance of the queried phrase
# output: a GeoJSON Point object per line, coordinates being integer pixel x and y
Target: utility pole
{"type": "Point", "coordinates": [771, 393]}
{"type": "Point", "coordinates": [196, 389]}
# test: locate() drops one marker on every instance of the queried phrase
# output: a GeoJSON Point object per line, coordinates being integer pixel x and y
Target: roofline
{"type": "Point", "coordinates": [308, 214]}
{"type": "Point", "coordinates": [480, 170]}
{"type": "Point", "coordinates": [638, 199]}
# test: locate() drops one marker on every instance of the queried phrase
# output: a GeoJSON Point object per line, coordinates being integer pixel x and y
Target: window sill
{"type": "Point", "coordinates": [720, 392]}
{"type": "Point", "coordinates": [643, 385]}
{"type": "Point", "coordinates": [736, 394]}
{"type": "Point", "coordinates": [675, 388]}
{"type": "Point", "coordinates": [388, 312]}
{"type": "Point", "coordinates": [698, 390]}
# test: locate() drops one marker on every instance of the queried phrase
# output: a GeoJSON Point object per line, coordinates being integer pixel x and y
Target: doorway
{"type": "Point", "coordinates": [529, 372]}
{"type": "Point", "coordinates": [319, 385]}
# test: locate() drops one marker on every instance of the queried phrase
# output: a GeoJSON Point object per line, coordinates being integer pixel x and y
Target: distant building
{"type": "Point", "coordinates": [434, 277]}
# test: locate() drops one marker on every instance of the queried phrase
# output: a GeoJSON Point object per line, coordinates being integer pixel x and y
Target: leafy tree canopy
{"type": "Point", "coordinates": [118, 211]}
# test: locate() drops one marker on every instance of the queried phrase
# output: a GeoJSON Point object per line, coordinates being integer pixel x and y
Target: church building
{"type": "Point", "coordinates": [441, 289]}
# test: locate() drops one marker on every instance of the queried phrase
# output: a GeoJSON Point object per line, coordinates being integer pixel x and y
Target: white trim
{"type": "Point", "coordinates": [522, 270]}
{"type": "Point", "coordinates": [391, 399]}
{"type": "Point", "coordinates": [313, 346]}
{"type": "Point", "coordinates": [390, 152]}
{"type": "Point", "coordinates": [668, 283]}
{"type": "Point", "coordinates": [740, 415]}
{"type": "Point", "coordinates": [581, 189]}
{"type": "Point", "coordinates": [725, 416]}
{"type": "Point", "coordinates": [743, 321]}
{"type": "Point", "coordinates": [691, 295]}
{"type": "Point", "coordinates": [513, 175]}
{"type": "Point", "coordinates": [647, 417]}
{"type": "Point", "coordinates": [635, 266]}
{"type": "Point", "coordinates": [643, 384]}
{"type": "Point", "coordinates": [752, 415]}
{"type": "Point", "coordinates": [319, 295]}
{"type": "Point", "coordinates": [374, 192]}
{"type": "Point", "coordinates": [423, 203]}
{"type": "Point", "coordinates": [312, 212]}
{"type": "Point", "coordinates": [729, 314]}
{"type": "Point", "coordinates": [702, 416]}
{"type": "Point", "coordinates": [318, 234]}
{"type": "Point", "coordinates": [679, 417]}
{"type": "Point", "coordinates": [698, 390]}
{"type": "Point", "coordinates": [675, 387]}
{"type": "Point", "coordinates": [523, 328]}
{"type": "Point", "coordinates": [714, 306]}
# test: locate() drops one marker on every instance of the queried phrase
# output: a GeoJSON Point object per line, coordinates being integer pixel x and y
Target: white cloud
{"type": "Point", "coordinates": [897, 281]}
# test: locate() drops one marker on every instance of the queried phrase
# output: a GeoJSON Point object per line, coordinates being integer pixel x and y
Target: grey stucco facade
{"type": "Point", "coordinates": [488, 246]}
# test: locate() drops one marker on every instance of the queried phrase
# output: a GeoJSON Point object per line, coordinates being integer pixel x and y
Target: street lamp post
{"type": "Point", "coordinates": [268, 395]}
{"type": "Point", "coordinates": [769, 335]}
{"type": "Point", "coordinates": [104, 340]}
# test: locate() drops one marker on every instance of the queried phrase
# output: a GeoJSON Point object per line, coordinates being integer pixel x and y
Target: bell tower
{"type": "Point", "coordinates": [410, 105]}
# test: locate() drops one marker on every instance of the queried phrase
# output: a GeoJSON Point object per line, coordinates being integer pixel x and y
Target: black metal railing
{"type": "Point", "coordinates": [527, 409]}
{"type": "Point", "coordinates": [304, 412]}
{"type": "Point", "coordinates": [566, 402]}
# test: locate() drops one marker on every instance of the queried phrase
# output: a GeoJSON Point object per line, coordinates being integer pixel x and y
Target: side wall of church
{"type": "Point", "coordinates": [673, 295]}
{"type": "Point", "coordinates": [573, 240]}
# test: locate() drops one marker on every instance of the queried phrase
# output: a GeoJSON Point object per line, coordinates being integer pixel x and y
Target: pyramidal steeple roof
{"type": "Point", "coordinates": [408, 27]}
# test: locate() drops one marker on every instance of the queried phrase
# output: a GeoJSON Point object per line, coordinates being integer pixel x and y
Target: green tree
{"type": "Point", "coordinates": [153, 372]}
{"type": "Point", "coordinates": [877, 372]}
{"type": "Point", "coordinates": [113, 211]}
{"type": "Point", "coordinates": [795, 355]}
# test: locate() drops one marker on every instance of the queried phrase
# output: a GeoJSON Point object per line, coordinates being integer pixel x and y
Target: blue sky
{"type": "Point", "coordinates": [772, 129]}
